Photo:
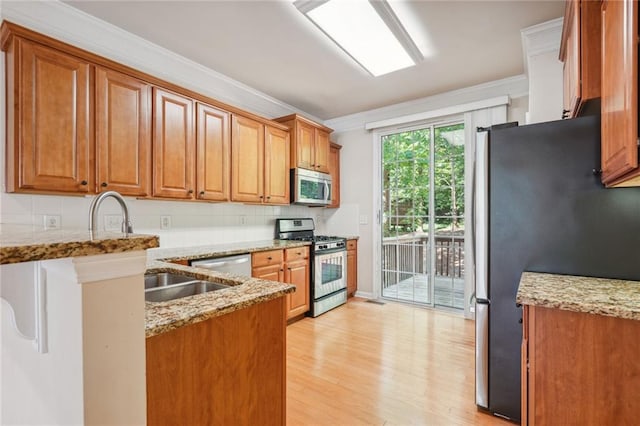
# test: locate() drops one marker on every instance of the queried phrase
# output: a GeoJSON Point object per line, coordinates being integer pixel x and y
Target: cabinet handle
{"type": "Point", "coordinates": [565, 113]}
{"type": "Point", "coordinates": [84, 182]}
{"type": "Point", "coordinates": [103, 184]}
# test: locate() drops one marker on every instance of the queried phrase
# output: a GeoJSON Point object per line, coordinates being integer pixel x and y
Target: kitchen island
{"type": "Point", "coordinates": [72, 326]}
{"type": "Point", "coordinates": [79, 302]}
{"type": "Point", "coordinates": [581, 339]}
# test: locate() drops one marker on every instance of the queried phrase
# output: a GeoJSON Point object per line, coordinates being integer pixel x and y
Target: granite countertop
{"type": "Point", "coordinates": [352, 237]}
{"type": "Point", "coordinates": [244, 291]}
{"type": "Point", "coordinates": [25, 243]}
{"type": "Point", "coordinates": [614, 298]}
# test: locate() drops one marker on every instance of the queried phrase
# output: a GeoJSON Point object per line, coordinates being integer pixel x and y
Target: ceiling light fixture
{"type": "Point", "coordinates": [368, 31]}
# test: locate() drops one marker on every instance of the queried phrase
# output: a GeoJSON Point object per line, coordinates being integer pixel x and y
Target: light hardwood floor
{"type": "Point", "coordinates": [390, 364]}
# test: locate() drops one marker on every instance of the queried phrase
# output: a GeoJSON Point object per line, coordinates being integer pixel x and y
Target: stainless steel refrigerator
{"type": "Point", "coordinates": [540, 206]}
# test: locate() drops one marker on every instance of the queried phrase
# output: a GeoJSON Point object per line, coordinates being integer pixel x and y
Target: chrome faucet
{"type": "Point", "coordinates": [93, 212]}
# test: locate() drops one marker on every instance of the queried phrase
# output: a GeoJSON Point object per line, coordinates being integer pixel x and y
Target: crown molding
{"type": "Point", "coordinates": [540, 39]}
{"type": "Point", "coordinates": [73, 26]}
{"type": "Point", "coordinates": [513, 87]}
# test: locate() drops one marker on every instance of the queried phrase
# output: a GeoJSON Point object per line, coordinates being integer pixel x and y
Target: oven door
{"type": "Point", "coordinates": [311, 188]}
{"type": "Point", "coordinates": [330, 273]}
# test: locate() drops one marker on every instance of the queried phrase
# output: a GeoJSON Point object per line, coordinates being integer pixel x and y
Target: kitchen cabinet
{"type": "Point", "coordinates": [580, 53]}
{"type": "Point", "coordinates": [619, 103]}
{"type": "Point", "coordinates": [213, 151]}
{"type": "Point", "coordinates": [50, 144]}
{"type": "Point", "coordinates": [260, 164]}
{"type": "Point", "coordinates": [352, 267]}
{"type": "Point", "coordinates": [290, 266]}
{"type": "Point", "coordinates": [309, 143]}
{"type": "Point", "coordinates": [334, 171]}
{"type": "Point", "coordinates": [173, 145]}
{"type": "Point", "coordinates": [297, 272]}
{"type": "Point", "coordinates": [579, 368]}
{"type": "Point", "coordinates": [229, 369]}
{"type": "Point", "coordinates": [123, 133]}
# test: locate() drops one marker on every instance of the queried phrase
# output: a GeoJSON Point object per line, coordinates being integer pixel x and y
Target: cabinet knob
{"type": "Point", "coordinates": [202, 193]}
{"type": "Point", "coordinates": [190, 191]}
{"type": "Point", "coordinates": [103, 184]}
{"type": "Point", "coordinates": [313, 165]}
{"type": "Point", "coordinates": [84, 182]}
{"type": "Point", "coordinates": [269, 258]}
{"type": "Point", "coordinates": [269, 197]}
{"type": "Point", "coordinates": [261, 197]}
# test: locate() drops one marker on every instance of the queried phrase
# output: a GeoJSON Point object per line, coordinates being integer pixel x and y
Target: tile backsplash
{"type": "Point", "coordinates": [191, 223]}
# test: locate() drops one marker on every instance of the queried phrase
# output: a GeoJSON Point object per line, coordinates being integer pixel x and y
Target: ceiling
{"type": "Point", "coordinates": [271, 47]}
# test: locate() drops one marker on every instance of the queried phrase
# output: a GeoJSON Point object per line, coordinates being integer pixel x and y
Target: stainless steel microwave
{"type": "Point", "coordinates": [310, 188]}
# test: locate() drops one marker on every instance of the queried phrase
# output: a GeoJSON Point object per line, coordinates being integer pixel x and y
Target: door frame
{"type": "Point", "coordinates": [377, 136]}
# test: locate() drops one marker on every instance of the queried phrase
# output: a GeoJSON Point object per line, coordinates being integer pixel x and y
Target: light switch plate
{"type": "Point", "coordinates": [165, 222]}
{"type": "Point", "coordinates": [364, 219]}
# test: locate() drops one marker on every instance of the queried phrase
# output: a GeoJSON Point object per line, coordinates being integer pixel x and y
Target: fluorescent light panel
{"type": "Point", "coordinates": [358, 28]}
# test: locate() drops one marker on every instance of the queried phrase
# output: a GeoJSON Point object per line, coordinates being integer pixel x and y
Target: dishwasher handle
{"type": "Point", "coordinates": [215, 265]}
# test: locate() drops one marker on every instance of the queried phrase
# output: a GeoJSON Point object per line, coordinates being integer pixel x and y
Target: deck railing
{"type": "Point", "coordinates": [409, 255]}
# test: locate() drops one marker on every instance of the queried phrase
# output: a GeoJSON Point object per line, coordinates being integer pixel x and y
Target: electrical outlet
{"type": "Point", "coordinates": [165, 222]}
{"type": "Point", "coordinates": [52, 221]}
{"type": "Point", "coordinates": [112, 222]}
{"type": "Point", "coordinates": [364, 219]}
{"type": "Point", "coordinates": [243, 220]}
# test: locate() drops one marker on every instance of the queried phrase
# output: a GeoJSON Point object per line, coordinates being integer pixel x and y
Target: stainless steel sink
{"type": "Point", "coordinates": [162, 279]}
{"type": "Point", "coordinates": [164, 286]}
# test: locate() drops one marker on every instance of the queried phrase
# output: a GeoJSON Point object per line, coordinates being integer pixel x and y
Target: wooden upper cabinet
{"type": "Point", "coordinates": [619, 101]}
{"type": "Point", "coordinates": [123, 133]}
{"type": "Point", "coordinates": [173, 145]}
{"type": "Point", "coordinates": [334, 171]}
{"type": "Point", "coordinates": [580, 52]}
{"type": "Point", "coordinates": [276, 166]}
{"type": "Point", "coordinates": [213, 154]}
{"type": "Point", "coordinates": [309, 143]}
{"type": "Point", "coordinates": [303, 155]}
{"type": "Point", "coordinates": [49, 139]}
{"type": "Point", "coordinates": [247, 160]}
{"type": "Point", "coordinates": [322, 151]}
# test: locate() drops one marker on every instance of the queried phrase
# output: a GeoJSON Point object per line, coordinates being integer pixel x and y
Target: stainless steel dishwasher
{"type": "Point", "coordinates": [236, 265]}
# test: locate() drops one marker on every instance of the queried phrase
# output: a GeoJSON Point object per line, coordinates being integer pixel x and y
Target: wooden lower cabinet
{"type": "Point", "coordinates": [297, 272]}
{"type": "Point", "coordinates": [290, 266]}
{"type": "Point", "coordinates": [579, 368]}
{"type": "Point", "coordinates": [229, 369]}
{"type": "Point", "coordinates": [352, 267]}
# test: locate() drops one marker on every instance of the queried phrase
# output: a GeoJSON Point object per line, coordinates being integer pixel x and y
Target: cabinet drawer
{"type": "Point", "coordinates": [352, 244]}
{"type": "Point", "coordinates": [265, 258]}
{"type": "Point", "coordinates": [296, 253]}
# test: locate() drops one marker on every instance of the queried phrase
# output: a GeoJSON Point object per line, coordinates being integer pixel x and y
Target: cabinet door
{"type": "Point", "coordinates": [305, 146]}
{"type": "Point", "coordinates": [297, 273]}
{"type": "Point", "coordinates": [321, 156]}
{"type": "Point", "coordinates": [213, 151]}
{"type": "Point", "coordinates": [173, 145]}
{"type": "Point", "coordinates": [276, 166]}
{"type": "Point", "coordinates": [50, 146]}
{"type": "Point", "coordinates": [352, 267]}
{"type": "Point", "coordinates": [123, 133]}
{"type": "Point", "coordinates": [334, 171]}
{"type": "Point", "coordinates": [271, 273]}
{"type": "Point", "coordinates": [247, 160]}
{"type": "Point", "coordinates": [619, 101]}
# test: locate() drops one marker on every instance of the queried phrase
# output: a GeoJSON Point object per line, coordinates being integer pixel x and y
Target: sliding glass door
{"type": "Point", "coordinates": [422, 226]}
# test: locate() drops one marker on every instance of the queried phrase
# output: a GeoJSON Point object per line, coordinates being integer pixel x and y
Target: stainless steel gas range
{"type": "Point", "coordinates": [328, 266]}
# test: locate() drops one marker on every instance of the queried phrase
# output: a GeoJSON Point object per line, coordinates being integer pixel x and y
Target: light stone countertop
{"type": "Point", "coordinates": [244, 291]}
{"type": "Point", "coordinates": [25, 243]}
{"type": "Point", "coordinates": [614, 298]}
